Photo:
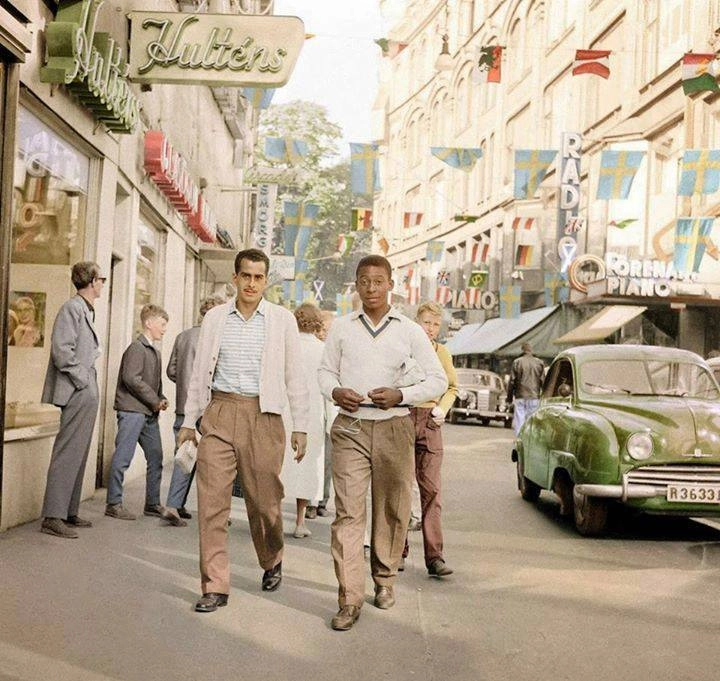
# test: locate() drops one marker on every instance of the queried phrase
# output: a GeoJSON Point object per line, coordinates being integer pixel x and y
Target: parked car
{"type": "Point", "coordinates": [714, 365]}
{"type": "Point", "coordinates": [481, 395]}
{"type": "Point", "coordinates": [631, 424]}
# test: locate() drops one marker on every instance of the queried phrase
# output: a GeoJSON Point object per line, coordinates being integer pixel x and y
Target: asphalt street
{"type": "Point", "coordinates": [529, 598]}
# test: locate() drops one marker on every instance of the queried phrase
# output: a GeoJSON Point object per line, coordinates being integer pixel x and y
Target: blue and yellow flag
{"type": "Point", "coordinates": [617, 172]}
{"type": "Point", "coordinates": [286, 150]}
{"type": "Point", "coordinates": [510, 302]}
{"type": "Point", "coordinates": [692, 238]}
{"type": "Point", "coordinates": [260, 98]}
{"type": "Point", "coordinates": [299, 219]}
{"type": "Point", "coordinates": [343, 304]}
{"type": "Point", "coordinates": [556, 289]}
{"type": "Point", "coordinates": [364, 168]}
{"type": "Point", "coordinates": [700, 172]}
{"type": "Point", "coordinates": [531, 165]}
{"type": "Point", "coordinates": [435, 251]}
{"type": "Point", "coordinates": [462, 158]}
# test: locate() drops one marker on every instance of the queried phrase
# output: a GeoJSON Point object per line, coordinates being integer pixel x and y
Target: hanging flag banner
{"type": "Point", "coordinates": [364, 168]}
{"type": "Point", "coordinates": [462, 158]}
{"type": "Point", "coordinates": [556, 289]}
{"type": "Point", "coordinates": [299, 220]}
{"type": "Point", "coordinates": [617, 172]}
{"type": "Point", "coordinates": [480, 251]}
{"type": "Point", "coordinates": [699, 73]}
{"type": "Point", "coordinates": [700, 172]}
{"type": "Point", "coordinates": [412, 220]}
{"type": "Point", "coordinates": [435, 251]}
{"type": "Point", "coordinates": [692, 240]}
{"type": "Point", "coordinates": [262, 233]}
{"type": "Point", "coordinates": [477, 279]}
{"type": "Point", "coordinates": [361, 218]}
{"type": "Point", "coordinates": [259, 98]}
{"type": "Point", "coordinates": [531, 166]}
{"type": "Point", "coordinates": [217, 50]}
{"type": "Point", "coordinates": [527, 240]}
{"type": "Point", "coordinates": [596, 62]}
{"type": "Point", "coordinates": [343, 304]}
{"type": "Point", "coordinates": [510, 302]}
{"type": "Point", "coordinates": [443, 278]}
{"type": "Point", "coordinates": [344, 244]}
{"type": "Point", "coordinates": [490, 61]}
{"type": "Point", "coordinates": [524, 225]}
{"type": "Point", "coordinates": [318, 285]}
{"type": "Point", "coordinates": [383, 245]}
{"type": "Point", "coordinates": [390, 48]}
{"type": "Point", "coordinates": [286, 150]}
{"type": "Point", "coordinates": [569, 180]}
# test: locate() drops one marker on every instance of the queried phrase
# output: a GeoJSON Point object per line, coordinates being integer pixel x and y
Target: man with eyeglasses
{"type": "Point", "coordinates": [71, 384]}
{"type": "Point", "coordinates": [376, 364]}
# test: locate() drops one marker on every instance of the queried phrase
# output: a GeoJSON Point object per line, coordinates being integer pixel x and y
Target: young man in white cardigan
{"type": "Point", "coordinates": [245, 365]}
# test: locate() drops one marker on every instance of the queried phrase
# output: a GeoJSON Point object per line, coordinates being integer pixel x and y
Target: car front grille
{"type": "Point", "coordinates": [662, 476]}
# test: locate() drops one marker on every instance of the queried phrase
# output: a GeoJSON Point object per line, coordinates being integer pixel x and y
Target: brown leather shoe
{"type": "Point", "coordinates": [210, 602]}
{"type": "Point", "coordinates": [384, 597]}
{"type": "Point", "coordinates": [58, 528]}
{"type": "Point", "coordinates": [345, 618]}
{"type": "Point", "coordinates": [173, 519]}
{"type": "Point", "coordinates": [119, 511]}
{"type": "Point", "coordinates": [77, 521]}
{"type": "Point", "coordinates": [437, 568]}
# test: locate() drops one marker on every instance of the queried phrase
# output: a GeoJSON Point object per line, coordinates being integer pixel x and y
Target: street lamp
{"type": "Point", "coordinates": [444, 61]}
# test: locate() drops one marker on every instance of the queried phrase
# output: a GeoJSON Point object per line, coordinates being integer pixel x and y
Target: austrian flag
{"type": "Point", "coordinates": [596, 62]}
{"type": "Point", "coordinates": [412, 220]}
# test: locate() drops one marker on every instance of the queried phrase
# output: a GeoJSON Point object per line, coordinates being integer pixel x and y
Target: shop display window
{"type": "Point", "coordinates": [50, 188]}
{"type": "Point", "coordinates": [147, 270]}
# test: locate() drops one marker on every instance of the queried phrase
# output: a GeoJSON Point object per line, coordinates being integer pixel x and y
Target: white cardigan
{"type": "Point", "coordinates": [280, 371]}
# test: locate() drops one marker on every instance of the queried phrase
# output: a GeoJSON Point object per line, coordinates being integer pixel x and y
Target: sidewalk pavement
{"type": "Point", "coordinates": [117, 604]}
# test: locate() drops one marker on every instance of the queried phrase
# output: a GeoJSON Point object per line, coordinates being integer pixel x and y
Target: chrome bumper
{"type": "Point", "coordinates": [623, 492]}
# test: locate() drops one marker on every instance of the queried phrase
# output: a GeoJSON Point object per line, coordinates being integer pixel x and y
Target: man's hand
{"type": "Point", "coordinates": [162, 405]}
{"type": "Point", "coordinates": [385, 398]}
{"type": "Point", "coordinates": [437, 415]}
{"type": "Point", "coordinates": [185, 434]}
{"type": "Point", "coordinates": [347, 398]}
{"type": "Point", "coordinates": [299, 445]}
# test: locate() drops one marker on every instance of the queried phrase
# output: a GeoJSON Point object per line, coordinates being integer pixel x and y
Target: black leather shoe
{"type": "Point", "coordinates": [211, 602]}
{"type": "Point", "coordinates": [153, 509]}
{"type": "Point", "coordinates": [311, 512]}
{"type": "Point", "coordinates": [182, 512]}
{"type": "Point", "coordinates": [322, 511]}
{"type": "Point", "coordinates": [271, 578]}
{"type": "Point", "coordinates": [401, 566]}
{"type": "Point", "coordinates": [437, 568]}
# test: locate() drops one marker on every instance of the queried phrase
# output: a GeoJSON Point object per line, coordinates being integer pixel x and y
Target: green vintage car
{"type": "Point", "coordinates": [631, 424]}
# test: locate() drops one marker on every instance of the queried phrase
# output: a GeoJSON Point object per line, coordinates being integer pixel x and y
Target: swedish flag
{"type": "Point", "coordinates": [260, 98]}
{"type": "Point", "coordinates": [617, 172]}
{"type": "Point", "coordinates": [300, 219]}
{"type": "Point", "coordinates": [364, 168]}
{"type": "Point", "coordinates": [509, 302]}
{"type": "Point", "coordinates": [531, 165]}
{"type": "Point", "coordinates": [700, 172]}
{"type": "Point", "coordinates": [286, 149]}
{"type": "Point", "coordinates": [692, 237]}
{"type": "Point", "coordinates": [462, 158]}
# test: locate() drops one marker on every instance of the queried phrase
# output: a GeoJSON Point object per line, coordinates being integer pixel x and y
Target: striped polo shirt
{"type": "Point", "coordinates": [240, 353]}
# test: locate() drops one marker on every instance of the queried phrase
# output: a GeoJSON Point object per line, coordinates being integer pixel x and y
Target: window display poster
{"type": "Point", "coordinates": [26, 319]}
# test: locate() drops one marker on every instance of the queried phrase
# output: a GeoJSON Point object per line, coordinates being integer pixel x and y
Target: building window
{"type": "Point", "coordinates": [516, 51]}
{"type": "Point", "coordinates": [147, 269]}
{"type": "Point", "coordinates": [666, 35]}
{"type": "Point", "coordinates": [462, 108]}
{"type": "Point", "coordinates": [50, 191]}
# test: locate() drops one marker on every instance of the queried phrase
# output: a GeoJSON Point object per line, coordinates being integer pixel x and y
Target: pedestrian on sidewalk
{"type": "Point", "coordinates": [179, 370]}
{"type": "Point", "coordinates": [71, 384]}
{"type": "Point", "coordinates": [319, 508]}
{"type": "Point", "coordinates": [138, 401]}
{"type": "Point", "coordinates": [428, 419]}
{"type": "Point", "coordinates": [376, 363]}
{"type": "Point", "coordinates": [525, 385]}
{"type": "Point", "coordinates": [246, 366]}
{"type": "Point", "coordinates": [305, 481]}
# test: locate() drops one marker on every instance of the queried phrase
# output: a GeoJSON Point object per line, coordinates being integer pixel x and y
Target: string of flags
{"type": "Point", "coordinates": [361, 219]}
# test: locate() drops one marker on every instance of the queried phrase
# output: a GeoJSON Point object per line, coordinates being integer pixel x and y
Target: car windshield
{"type": "Point", "coordinates": [647, 377]}
{"type": "Point", "coordinates": [469, 377]}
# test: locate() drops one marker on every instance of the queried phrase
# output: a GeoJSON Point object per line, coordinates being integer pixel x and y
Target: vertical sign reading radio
{"type": "Point", "coordinates": [264, 217]}
{"type": "Point", "coordinates": [169, 172]}
{"type": "Point", "coordinates": [569, 197]}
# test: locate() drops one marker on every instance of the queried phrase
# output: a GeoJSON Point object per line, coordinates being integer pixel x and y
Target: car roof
{"type": "Point", "coordinates": [584, 353]}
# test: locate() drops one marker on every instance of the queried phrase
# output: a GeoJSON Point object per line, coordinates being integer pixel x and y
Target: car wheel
{"type": "Point", "coordinates": [591, 514]}
{"type": "Point", "coordinates": [484, 422]}
{"type": "Point", "coordinates": [528, 489]}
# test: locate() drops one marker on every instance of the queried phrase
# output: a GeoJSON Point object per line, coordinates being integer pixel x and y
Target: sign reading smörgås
{"type": "Point", "coordinates": [214, 49]}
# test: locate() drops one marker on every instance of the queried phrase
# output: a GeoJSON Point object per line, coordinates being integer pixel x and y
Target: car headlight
{"type": "Point", "coordinates": [471, 401]}
{"type": "Point", "coordinates": [640, 446]}
{"type": "Point", "coordinates": [462, 395]}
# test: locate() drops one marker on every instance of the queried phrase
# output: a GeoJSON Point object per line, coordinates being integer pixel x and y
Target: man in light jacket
{"type": "Point", "coordinates": [246, 363]}
{"type": "Point", "coordinates": [71, 384]}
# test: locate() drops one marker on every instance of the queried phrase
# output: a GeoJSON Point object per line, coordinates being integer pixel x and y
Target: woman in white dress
{"type": "Point", "coordinates": [304, 480]}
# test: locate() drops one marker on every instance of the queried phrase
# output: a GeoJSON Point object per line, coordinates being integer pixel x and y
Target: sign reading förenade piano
{"type": "Point", "coordinates": [223, 50]}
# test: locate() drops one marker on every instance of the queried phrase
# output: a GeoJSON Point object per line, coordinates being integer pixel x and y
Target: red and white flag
{"type": "Point", "coordinates": [524, 223]}
{"type": "Point", "coordinates": [412, 220]}
{"type": "Point", "coordinates": [443, 295]}
{"type": "Point", "coordinates": [413, 295]}
{"type": "Point", "coordinates": [596, 62]}
{"type": "Point", "coordinates": [480, 251]}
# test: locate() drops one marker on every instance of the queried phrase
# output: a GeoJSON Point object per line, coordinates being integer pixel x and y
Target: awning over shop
{"type": "Point", "coordinates": [487, 338]}
{"type": "Point", "coordinates": [601, 325]}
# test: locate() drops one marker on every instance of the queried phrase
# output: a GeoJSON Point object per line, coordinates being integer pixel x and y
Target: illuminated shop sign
{"type": "Point", "coordinates": [214, 49]}
{"type": "Point", "coordinates": [568, 223]}
{"type": "Point", "coordinates": [169, 172]}
{"type": "Point", "coordinates": [90, 64]}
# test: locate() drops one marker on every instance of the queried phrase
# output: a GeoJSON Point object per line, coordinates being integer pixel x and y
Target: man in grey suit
{"type": "Point", "coordinates": [179, 370]}
{"type": "Point", "coordinates": [71, 384]}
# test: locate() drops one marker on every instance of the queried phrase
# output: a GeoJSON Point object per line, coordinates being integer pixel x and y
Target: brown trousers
{"type": "Point", "coordinates": [238, 439]}
{"type": "Point", "coordinates": [428, 460]}
{"type": "Point", "coordinates": [378, 453]}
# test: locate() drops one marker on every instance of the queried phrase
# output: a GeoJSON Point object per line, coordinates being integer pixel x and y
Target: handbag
{"type": "Point", "coordinates": [186, 456]}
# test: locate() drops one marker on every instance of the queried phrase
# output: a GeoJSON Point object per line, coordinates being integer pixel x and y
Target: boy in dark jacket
{"type": "Point", "coordinates": [138, 402]}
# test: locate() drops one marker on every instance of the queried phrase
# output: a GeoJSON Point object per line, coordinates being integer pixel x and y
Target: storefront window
{"type": "Point", "coordinates": [147, 270]}
{"type": "Point", "coordinates": [50, 187]}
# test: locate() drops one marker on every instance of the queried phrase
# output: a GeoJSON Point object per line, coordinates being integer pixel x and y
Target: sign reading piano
{"type": "Point", "coordinates": [218, 50]}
